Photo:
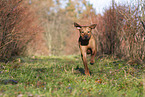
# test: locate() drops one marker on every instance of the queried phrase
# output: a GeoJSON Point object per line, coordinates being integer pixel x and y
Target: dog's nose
{"type": "Point", "coordinates": [86, 36]}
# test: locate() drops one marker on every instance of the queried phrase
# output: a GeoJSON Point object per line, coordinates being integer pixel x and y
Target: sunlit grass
{"type": "Point", "coordinates": [63, 76]}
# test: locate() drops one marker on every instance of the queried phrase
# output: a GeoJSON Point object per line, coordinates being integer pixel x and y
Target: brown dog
{"type": "Point", "coordinates": [87, 44]}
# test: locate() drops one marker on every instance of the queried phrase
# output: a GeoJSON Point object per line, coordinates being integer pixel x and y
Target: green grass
{"type": "Point", "coordinates": [64, 77]}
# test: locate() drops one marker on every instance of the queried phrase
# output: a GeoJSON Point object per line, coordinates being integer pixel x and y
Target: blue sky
{"type": "Point", "coordinates": [100, 5]}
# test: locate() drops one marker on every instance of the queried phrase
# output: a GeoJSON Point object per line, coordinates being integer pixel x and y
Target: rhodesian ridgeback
{"type": "Point", "coordinates": [87, 44]}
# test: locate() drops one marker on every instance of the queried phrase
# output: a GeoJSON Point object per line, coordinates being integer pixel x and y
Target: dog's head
{"type": "Point", "coordinates": [85, 31]}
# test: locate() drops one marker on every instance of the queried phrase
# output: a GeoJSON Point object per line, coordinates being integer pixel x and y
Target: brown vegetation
{"type": "Point", "coordinates": [18, 26]}
{"type": "Point", "coordinates": [120, 30]}
{"type": "Point", "coordinates": [123, 32]}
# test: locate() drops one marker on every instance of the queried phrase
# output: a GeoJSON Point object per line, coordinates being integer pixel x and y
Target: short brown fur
{"type": "Point", "coordinates": [87, 44]}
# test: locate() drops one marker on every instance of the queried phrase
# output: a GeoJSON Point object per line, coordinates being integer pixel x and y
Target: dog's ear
{"type": "Point", "coordinates": [93, 26]}
{"type": "Point", "coordinates": [77, 26]}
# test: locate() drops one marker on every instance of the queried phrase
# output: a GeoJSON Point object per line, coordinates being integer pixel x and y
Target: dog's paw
{"type": "Point", "coordinates": [91, 63]}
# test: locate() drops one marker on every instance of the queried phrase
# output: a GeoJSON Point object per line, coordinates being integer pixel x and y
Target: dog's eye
{"type": "Point", "coordinates": [88, 31]}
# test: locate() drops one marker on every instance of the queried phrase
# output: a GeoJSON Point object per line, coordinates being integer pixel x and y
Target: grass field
{"type": "Point", "coordinates": [63, 76]}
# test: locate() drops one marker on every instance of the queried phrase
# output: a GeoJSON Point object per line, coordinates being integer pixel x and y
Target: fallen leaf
{"type": "Point", "coordinates": [98, 81]}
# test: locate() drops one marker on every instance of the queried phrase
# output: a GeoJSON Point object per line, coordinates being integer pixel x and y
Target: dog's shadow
{"type": "Point", "coordinates": [79, 70]}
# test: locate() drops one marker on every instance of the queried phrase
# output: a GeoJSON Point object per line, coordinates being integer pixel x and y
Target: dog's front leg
{"type": "Point", "coordinates": [93, 56]}
{"type": "Point", "coordinates": [84, 58]}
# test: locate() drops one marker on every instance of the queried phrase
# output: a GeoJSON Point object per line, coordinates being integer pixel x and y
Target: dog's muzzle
{"type": "Point", "coordinates": [85, 37]}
